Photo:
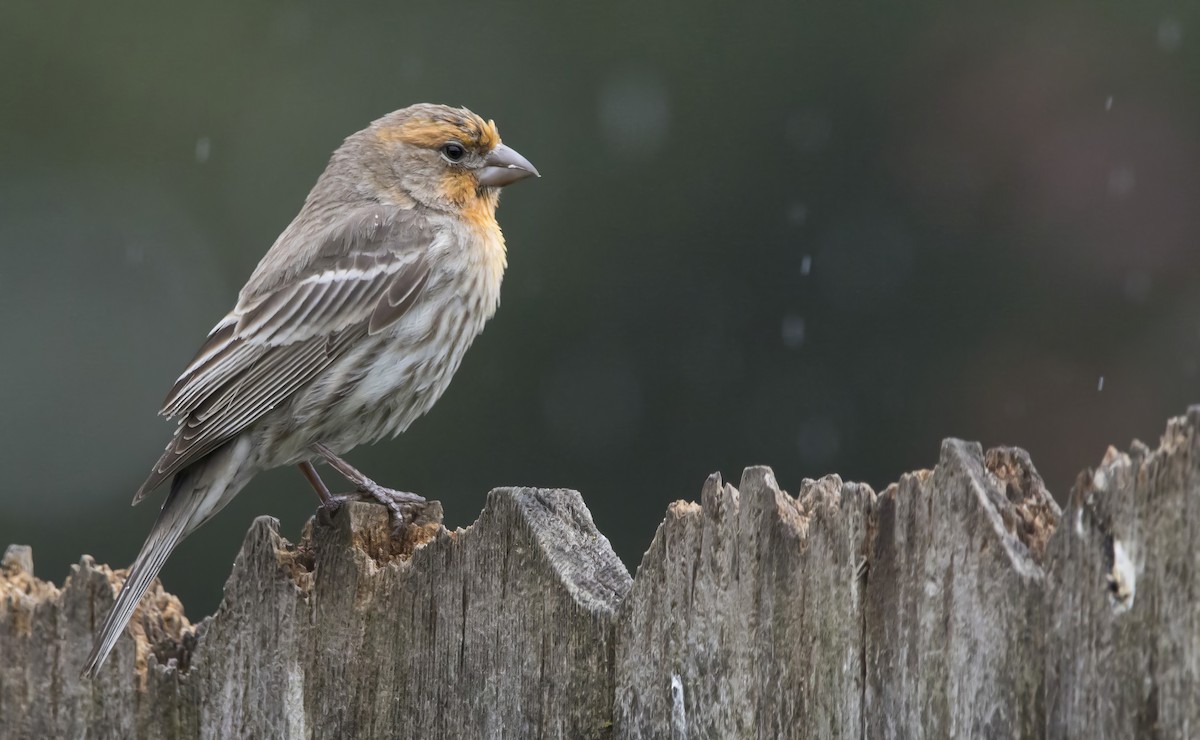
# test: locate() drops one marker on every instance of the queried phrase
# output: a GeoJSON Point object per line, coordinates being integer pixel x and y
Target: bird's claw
{"type": "Point", "coordinates": [402, 505]}
{"type": "Point", "coordinates": [330, 507]}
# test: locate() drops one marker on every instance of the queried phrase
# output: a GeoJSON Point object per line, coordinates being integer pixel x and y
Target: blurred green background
{"type": "Point", "coordinates": [820, 236]}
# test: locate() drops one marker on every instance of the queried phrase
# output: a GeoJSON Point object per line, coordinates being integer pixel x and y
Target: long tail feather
{"type": "Point", "coordinates": [167, 533]}
{"type": "Point", "coordinates": [196, 494]}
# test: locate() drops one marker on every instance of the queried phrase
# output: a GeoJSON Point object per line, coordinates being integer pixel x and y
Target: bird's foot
{"type": "Point", "coordinates": [402, 505]}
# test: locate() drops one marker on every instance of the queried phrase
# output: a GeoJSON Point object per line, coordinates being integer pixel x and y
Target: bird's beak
{"type": "Point", "coordinates": [504, 166]}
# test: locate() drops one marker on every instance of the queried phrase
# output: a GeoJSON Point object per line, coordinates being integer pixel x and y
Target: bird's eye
{"type": "Point", "coordinates": [453, 151]}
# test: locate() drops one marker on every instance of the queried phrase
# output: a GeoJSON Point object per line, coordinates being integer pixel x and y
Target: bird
{"type": "Point", "coordinates": [350, 328]}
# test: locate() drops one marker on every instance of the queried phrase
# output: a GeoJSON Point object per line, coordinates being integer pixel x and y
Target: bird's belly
{"type": "Point", "coordinates": [384, 383]}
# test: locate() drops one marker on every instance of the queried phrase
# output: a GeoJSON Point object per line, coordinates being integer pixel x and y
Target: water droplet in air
{"type": "Point", "coordinates": [1170, 34]}
{"type": "Point", "coordinates": [793, 331]}
{"type": "Point", "coordinates": [818, 440]}
{"type": "Point", "coordinates": [635, 113]}
{"type": "Point", "coordinates": [797, 214]}
{"type": "Point", "coordinates": [1121, 181]}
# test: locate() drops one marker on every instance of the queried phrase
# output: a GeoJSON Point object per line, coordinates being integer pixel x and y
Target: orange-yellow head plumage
{"type": "Point", "coordinates": [431, 126]}
{"type": "Point", "coordinates": [441, 151]}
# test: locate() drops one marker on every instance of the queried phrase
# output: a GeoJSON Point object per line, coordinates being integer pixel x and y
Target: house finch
{"type": "Point", "coordinates": [349, 329]}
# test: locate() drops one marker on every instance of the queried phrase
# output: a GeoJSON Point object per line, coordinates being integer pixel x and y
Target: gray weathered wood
{"type": "Point", "coordinates": [743, 620]}
{"type": "Point", "coordinates": [501, 630]}
{"type": "Point", "coordinates": [952, 604]}
{"type": "Point", "coordinates": [954, 628]}
{"type": "Point", "coordinates": [1123, 654]}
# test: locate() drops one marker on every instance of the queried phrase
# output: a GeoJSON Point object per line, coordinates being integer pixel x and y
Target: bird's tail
{"type": "Point", "coordinates": [197, 493]}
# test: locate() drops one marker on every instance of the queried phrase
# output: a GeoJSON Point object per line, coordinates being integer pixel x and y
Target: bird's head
{"type": "Point", "coordinates": [444, 158]}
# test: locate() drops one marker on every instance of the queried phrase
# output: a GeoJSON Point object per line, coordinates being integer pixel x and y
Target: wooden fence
{"type": "Point", "coordinates": [958, 602]}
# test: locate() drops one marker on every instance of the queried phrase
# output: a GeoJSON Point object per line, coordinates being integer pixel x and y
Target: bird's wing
{"type": "Point", "coordinates": [270, 346]}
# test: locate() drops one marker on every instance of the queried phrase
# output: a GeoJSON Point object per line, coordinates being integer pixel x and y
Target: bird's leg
{"type": "Point", "coordinates": [400, 503]}
{"type": "Point", "coordinates": [314, 480]}
{"type": "Point", "coordinates": [360, 479]}
{"type": "Point", "coordinates": [329, 502]}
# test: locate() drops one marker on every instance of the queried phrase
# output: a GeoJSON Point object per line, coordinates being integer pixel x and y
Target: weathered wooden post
{"type": "Point", "coordinates": [958, 602]}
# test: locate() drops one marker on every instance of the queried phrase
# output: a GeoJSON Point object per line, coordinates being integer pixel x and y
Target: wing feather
{"type": "Point", "coordinates": [269, 347]}
{"type": "Point", "coordinates": [400, 296]}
